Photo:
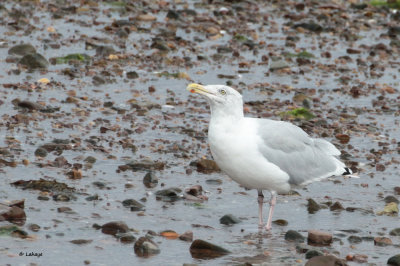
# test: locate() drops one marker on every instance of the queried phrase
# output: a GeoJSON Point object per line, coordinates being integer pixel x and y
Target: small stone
{"type": "Point", "coordinates": [337, 206]}
{"type": "Point", "coordinates": [316, 237]}
{"type": "Point", "coordinates": [61, 197]}
{"type": "Point", "coordinates": [195, 190]}
{"type": "Point", "coordinates": [313, 253]}
{"type": "Point", "coordinates": [397, 190]}
{"type": "Point", "coordinates": [294, 236]}
{"type": "Point", "coordinates": [146, 17]}
{"type": "Point", "coordinates": [90, 159]}
{"type": "Point", "coordinates": [132, 75]}
{"type": "Point", "coordinates": [382, 241]}
{"type": "Point", "coordinates": [187, 236]}
{"type": "Point", "coordinates": [313, 206]}
{"type": "Point", "coordinates": [150, 180]}
{"type": "Point", "coordinates": [354, 239]}
{"type": "Point", "coordinates": [229, 219]}
{"type": "Point", "coordinates": [40, 152]}
{"type": "Point", "coordinates": [34, 227]}
{"type": "Point", "coordinates": [125, 237]}
{"type": "Point", "coordinates": [329, 260]}
{"type": "Point", "coordinates": [81, 241]}
{"type": "Point", "coordinates": [112, 228]}
{"type": "Point", "coordinates": [145, 247]}
{"type": "Point", "coordinates": [169, 194]}
{"type": "Point", "coordinates": [64, 209]}
{"type": "Point", "coordinates": [22, 49]}
{"type": "Point", "coordinates": [391, 209]}
{"type": "Point", "coordinates": [395, 232]}
{"type": "Point", "coordinates": [133, 204]}
{"type": "Point", "coordinates": [389, 199]}
{"type": "Point", "coordinates": [12, 214]}
{"type": "Point", "coordinates": [278, 64]}
{"type": "Point", "coordinates": [394, 260]}
{"type": "Point", "coordinates": [201, 249]}
{"type": "Point", "coordinates": [280, 222]}
{"type": "Point", "coordinates": [34, 61]}
{"type": "Point", "coordinates": [206, 166]}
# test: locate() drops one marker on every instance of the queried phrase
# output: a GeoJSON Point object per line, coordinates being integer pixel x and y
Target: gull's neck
{"type": "Point", "coordinates": [233, 114]}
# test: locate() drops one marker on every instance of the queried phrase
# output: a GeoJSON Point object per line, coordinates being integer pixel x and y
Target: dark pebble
{"type": "Point", "coordinates": [125, 237]}
{"type": "Point", "coordinates": [187, 236]}
{"type": "Point", "coordinates": [294, 236]}
{"type": "Point", "coordinates": [61, 197]}
{"type": "Point", "coordinates": [354, 239]}
{"type": "Point", "coordinates": [40, 152]}
{"type": "Point", "coordinates": [34, 227]}
{"type": "Point", "coordinates": [395, 232]}
{"type": "Point", "coordinates": [112, 228]}
{"type": "Point", "coordinates": [280, 222]}
{"type": "Point", "coordinates": [133, 204]}
{"type": "Point", "coordinates": [81, 241]}
{"type": "Point", "coordinates": [313, 253]}
{"type": "Point", "coordinates": [326, 261]}
{"type": "Point", "coordinates": [337, 206]}
{"type": "Point", "coordinates": [150, 180]}
{"type": "Point", "coordinates": [34, 61]}
{"type": "Point", "coordinates": [229, 219]}
{"type": "Point", "coordinates": [389, 199]}
{"type": "Point", "coordinates": [205, 166]}
{"type": "Point", "coordinates": [132, 75]}
{"type": "Point", "coordinates": [312, 206]}
{"type": "Point", "coordinates": [22, 49]}
{"type": "Point", "coordinates": [169, 194]}
{"type": "Point", "coordinates": [201, 249]}
{"type": "Point", "coordinates": [394, 261]}
{"type": "Point", "coordinates": [145, 247]}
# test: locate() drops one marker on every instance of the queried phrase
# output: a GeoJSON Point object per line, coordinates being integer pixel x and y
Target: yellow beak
{"type": "Point", "coordinates": [197, 88]}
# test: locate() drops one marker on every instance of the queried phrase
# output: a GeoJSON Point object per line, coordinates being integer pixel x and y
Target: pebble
{"type": "Point", "coordinates": [187, 236]}
{"type": "Point", "coordinates": [391, 209]}
{"type": "Point", "coordinates": [389, 199]}
{"type": "Point", "coordinates": [294, 236]}
{"type": "Point", "coordinates": [13, 214]}
{"type": "Point", "coordinates": [201, 249]}
{"type": "Point", "coordinates": [395, 232]}
{"type": "Point", "coordinates": [319, 238]}
{"type": "Point", "coordinates": [328, 260]}
{"type": "Point", "coordinates": [133, 204]}
{"type": "Point", "coordinates": [382, 241]}
{"type": "Point", "coordinates": [206, 166]}
{"type": "Point", "coordinates": [229, 219]}
{"type": "Point", "coordinates": [34, 61]}
{"type": "Point", "coordinates": [313, 253]}
{"type": "Point", "coordinates": [125, 237]}
{"type": "Point", "coordinates": [22, 49]}
{"type": "Point", "coordinates": [394, 260]}
{"type": "Point", "coordinates": [313, 206]}
{"type": "Point", "coordinates": [280, 222]}
{"type": "Point", "coordinates": [354, 239]}
{"type": "Point", "coordinates": [150, 180]}
{"type": "Point", "coordinates": [112, 228]}
{"type": "Point", "coordinates": [278, 64]}
{"type": "Point", "coordinates": [145, 247]}
{"type": "Point", "coordinates": [337, 206]}
{"type": "Point", "coordinates": [169, 194]}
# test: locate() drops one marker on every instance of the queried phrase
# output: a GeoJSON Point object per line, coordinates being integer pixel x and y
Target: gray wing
{"type": "Point", "coordinates": [302, 157]}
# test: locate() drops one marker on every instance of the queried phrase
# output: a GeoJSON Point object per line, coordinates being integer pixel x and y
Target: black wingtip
{"type": "Point", "coordinates": [348, 171]}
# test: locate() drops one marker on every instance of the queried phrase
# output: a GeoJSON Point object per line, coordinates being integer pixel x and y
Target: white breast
{"type": "Point", "coordinates": [234, 148]}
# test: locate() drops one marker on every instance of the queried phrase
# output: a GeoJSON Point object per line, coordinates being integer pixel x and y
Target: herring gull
{"type": "Point", "coordinates": [264, 154]}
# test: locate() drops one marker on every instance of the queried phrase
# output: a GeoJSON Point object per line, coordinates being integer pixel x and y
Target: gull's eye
{"type": "Point", "coordinates": [222, 92]}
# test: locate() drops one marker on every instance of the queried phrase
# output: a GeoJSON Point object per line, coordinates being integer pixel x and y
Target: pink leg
{"type": "Point", "coordinates": [260, 206]}
{"type": "Point", "coordinates": [271, 210]}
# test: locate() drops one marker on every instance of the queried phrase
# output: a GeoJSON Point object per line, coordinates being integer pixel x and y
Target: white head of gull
{"type": "Point", "coordinates": [264, 154]}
